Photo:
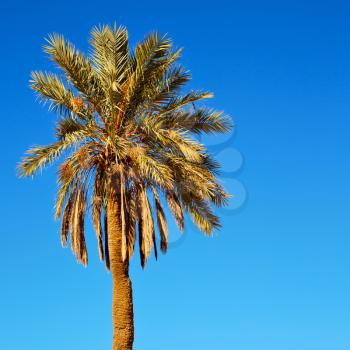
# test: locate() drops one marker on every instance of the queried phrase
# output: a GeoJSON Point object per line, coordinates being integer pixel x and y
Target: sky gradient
{"type": "Point", "coordinates": [277, 276]}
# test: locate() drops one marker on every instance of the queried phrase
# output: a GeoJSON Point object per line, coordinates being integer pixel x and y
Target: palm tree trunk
{"type": "Point", "coordinates": [122, 307]}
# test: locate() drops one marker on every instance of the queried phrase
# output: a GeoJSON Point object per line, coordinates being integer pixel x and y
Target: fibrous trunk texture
{"type": "Point", "coordinates": [122, 308]}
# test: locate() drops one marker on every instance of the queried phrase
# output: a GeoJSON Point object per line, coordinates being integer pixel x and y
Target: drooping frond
{"type": "Point", "coordinates": [67, 177]}
{"type": "Point", "coordinates": [146, 226]}
{"type": "Point", "coordinates": [201, 213]}
{"type": "Point", "coordinates": [77, 226]}
{"type": "Point", "coordinates": [131, 220]}
{"type": "Point", "coordinates": [176, 209]}
{"type": "Point", "coordinates": [107, 259]}
{"type": "Point", "coordinates": [154, 171]}
{"type": "Point", "coordinates": [66, 219]}
{"type": "Point", "coordinates": [123, 214]}
{"type": "Point", "coordinates": [97, 206]}
{"type": "Point", "coordinates": [161, 221]}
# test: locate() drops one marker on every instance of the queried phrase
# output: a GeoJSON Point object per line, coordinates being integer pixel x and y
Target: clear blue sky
{"type": "Point", "coordinates": [277, 276]}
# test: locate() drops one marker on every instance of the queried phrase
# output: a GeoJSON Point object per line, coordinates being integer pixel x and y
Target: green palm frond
{"type": "Point", "coordinates": [203, 120]}
{"type": "Point", "coordinates": [167, 88]}
{"type": "Point", "coordinates": [151, 59]}
{"type": "Point", "coordinates": [154, 171]}
{"type": "Point", "coordinates": [110, 55]}
{"type": "Point", "coordinates": [76, 66]}
{"type": "Point", "coordinates": [182, 101]}
{"type": "Point", "coordinates": [51, 88]}
{"type": "Point", "coordinates": [41, 156]}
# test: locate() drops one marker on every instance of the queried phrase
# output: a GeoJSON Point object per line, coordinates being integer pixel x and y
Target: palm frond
{"type": "Point", "coordinates": [167, 88]}
{"type": "Point", "coordinates": [107, 259]}
{"type": "Point", "coordinates": [51, 88]}
{"type": "Point", "coordinates": [176, 209]}
{"type": "Point", "coordinates": [66, 219]}
{"type": "Point", "coordinates": [201, 214]}
{"type": "Point", "coordinates": [67, 177]}
{"type": "Point", "coordinates": [154, 171]}
{"type": "Point", "coordinates": [41, 156]}
{"type": "Point", "coordinates": [152, 57]}
{"type": "Point", "coordinates": [68, 125]}
{"type": "Point", "coordinates": [76, 66]}
{"type": "Point", "coordinates": [161, 221]}
{"type": "Point", "coordinates": [77, 226]}
{"type": "Point", "coordinates": [182, 101]}
{"type": "Point", "coordinates": [97, 203]}
{"type": "Point", "coordinates": [110, 55]}
{"type": "Point", "coordinates": [131, 220]}
{"type": "Point", "coordinates": [146, 226]}
{"type": "Point", "coordinates": [203, 120]}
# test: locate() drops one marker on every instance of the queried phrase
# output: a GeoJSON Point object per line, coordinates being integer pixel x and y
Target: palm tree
{"type": "Point", "coordinates": [128, 141]}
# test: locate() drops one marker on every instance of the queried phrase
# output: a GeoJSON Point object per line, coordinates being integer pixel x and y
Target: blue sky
{"type": "Point", "coordinates": [276, 277]}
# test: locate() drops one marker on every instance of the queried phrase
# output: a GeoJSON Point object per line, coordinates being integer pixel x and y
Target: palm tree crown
{"type": "Point", "coordinates": [126, 126]}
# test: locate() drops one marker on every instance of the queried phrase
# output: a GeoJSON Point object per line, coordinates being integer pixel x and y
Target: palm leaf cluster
{"type": "Point", "coordinates": [125, 124]}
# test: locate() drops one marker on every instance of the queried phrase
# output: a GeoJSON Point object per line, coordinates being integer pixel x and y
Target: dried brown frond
{"type": "Point", "coordinates": [77, 227]}
{"type": "Point", "coordinates": [161, 221]}
{"type": "Point", "coordinates": [131, 222]}
{"type": "Point", "coordinates": [108, 263]}
{"type": "Point", "coordinates": [97, 201]}
{"type": "Point", "coordinates": [122, 202]}
{"type": "Point", "coordinates": [146, 226]}
{"type": "Point", "coordinates": [66, 220]}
